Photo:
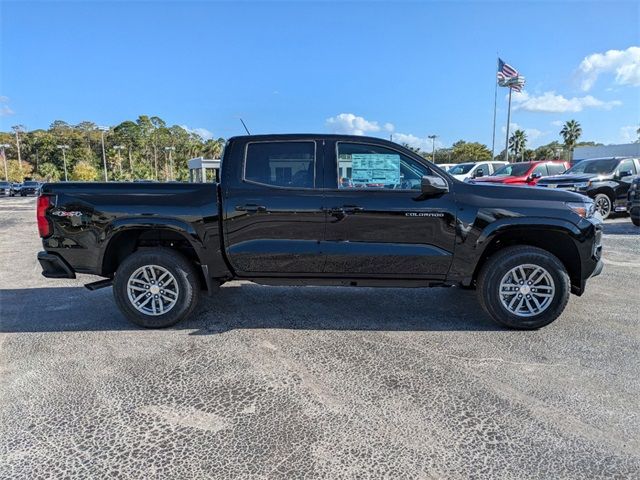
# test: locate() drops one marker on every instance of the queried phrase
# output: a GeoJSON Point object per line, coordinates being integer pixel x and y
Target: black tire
{"type": "Point", "coordinates": [604, 205]}
{"type": "Point", "coordinates": [500, 264]}
{"type": "Point", "coordinates": [635, 216]}
{"type": "Point", "coordinates": [185, 276]}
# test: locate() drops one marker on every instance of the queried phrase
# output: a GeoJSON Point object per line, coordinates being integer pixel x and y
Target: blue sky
{"type": "Point", "coordinates": [410, 68]}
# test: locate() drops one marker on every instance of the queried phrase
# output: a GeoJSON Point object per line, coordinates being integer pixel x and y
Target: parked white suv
{"type": "Point", "coordinates": [469, 170]}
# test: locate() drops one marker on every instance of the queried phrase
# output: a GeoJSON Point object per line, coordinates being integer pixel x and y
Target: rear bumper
{"type": "Point", "coordinates": [53, 266]}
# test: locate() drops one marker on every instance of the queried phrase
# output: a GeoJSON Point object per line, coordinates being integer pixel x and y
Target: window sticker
{"type": "Point", "coordinates": [375, 168]}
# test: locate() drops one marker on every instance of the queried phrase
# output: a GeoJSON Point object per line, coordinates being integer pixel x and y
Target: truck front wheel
{"type": "Point", "coordinates": [156, 288]}
{"type": "Point", "coordinates": [524, 287]}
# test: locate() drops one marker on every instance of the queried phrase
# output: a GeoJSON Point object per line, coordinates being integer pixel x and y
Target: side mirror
{"type": "Point", "coordinates": [479, 173]}
{"type": "Point", "coordinates": [433, 185]}
{"type": "Point", "coordinates": [626, 173]}
{"type": "Point", "coordinates": [535, 176]}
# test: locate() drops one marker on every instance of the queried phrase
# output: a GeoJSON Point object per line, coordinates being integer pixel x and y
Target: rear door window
{"type": "Point", "coordinates": [555, 168]}
{"type": "Point", "coordinates": [541, 169]}
{"type": "Point", "coordinates": [281, 164]}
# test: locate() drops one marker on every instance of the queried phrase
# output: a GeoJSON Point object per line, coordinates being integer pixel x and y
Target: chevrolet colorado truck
{"type": "Point", "coordinates": [322, 210]}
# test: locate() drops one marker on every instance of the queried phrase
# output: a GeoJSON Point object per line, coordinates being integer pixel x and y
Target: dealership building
{"type": "Point", "coordinates": [623, 150]}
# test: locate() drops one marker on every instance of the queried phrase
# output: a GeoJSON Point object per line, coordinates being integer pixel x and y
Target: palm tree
{"type": "Point", "coordinates": [518, 143]}
{"type": "Point", "coordinates": [571, 133]}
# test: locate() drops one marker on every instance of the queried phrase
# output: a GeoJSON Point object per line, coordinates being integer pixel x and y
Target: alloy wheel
{"type": "Point", "coordinates": [527, 290]}
{"type": "Point", "coordinates": [152, 290]}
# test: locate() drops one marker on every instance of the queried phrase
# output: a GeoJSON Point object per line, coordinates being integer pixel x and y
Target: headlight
{"type": "Point", "coordinates": [584, 209]}
{"type": "Point", "coordinates": [583, 185]}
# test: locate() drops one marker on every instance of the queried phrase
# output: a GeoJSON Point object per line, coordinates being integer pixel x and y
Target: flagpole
{"type": "Point", "coordinates": [506, 147]}
{"type": "Point", "coordinates": [495, 104]}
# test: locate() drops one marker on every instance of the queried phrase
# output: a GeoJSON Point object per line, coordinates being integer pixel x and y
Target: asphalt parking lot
{"type": "Point", "coordinates": [275, 382]}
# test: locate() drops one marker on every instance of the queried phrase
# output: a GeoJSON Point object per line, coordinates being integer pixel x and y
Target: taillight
{"type": "Point", "coordinates": [44, 227]}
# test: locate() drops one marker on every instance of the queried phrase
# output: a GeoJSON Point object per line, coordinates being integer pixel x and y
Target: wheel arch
{"type": "Point", "coordinates": [556, 241]}
{"type": "Point", "coordinates": [126, 239]}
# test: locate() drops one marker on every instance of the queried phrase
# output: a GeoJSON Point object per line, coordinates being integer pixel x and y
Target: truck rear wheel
{"type": "Point", "coordinates": [524, 287]}
{"type": "Point", "coordinates": [635, 216]}
{"type": "Point", "coordinates": [156, 288]}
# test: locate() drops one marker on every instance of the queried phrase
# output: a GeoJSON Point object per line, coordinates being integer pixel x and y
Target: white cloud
{"type": "Point", "coordinates": [533, 134]}
{"type": "Point", "coordinates": [202, 132]}
{"type": "Point", "coordinates": [5, 110]}
{"type": "Point", "coordinates": [351, 124]}
{"type": "Point", "coordinates": [629, 134]}
{"type": "Point", "coordinates": [551, 102]}
{"type": "Point", "coordinates": [416, 142]}
{"type": "Point", "coordinates": [624, 63]}
{"type": "Point", "coordinates": [557, 123]}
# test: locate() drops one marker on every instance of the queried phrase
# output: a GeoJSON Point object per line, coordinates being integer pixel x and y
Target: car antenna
{"type": "Point", "coordinates": [245, 126]}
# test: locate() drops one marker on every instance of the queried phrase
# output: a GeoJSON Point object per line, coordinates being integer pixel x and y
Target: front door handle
{"type": "Point", "coordinates": [352, 208]}
{"type": "Point", "coordinates": [345, 209]}
{"type": "Point", "coordinates": [251, 208]}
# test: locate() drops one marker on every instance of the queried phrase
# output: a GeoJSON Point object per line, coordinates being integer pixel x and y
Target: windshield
{"type": "Point", "coordinates": [461, 169]}
{"type": "Point", "coordinates": [513, 170]}
{"type": "Point", "coordinates": [603, 166]}
{"type": "Point", "coordinates": [30, 184]}
{"type": "Point", "coordinates": [4, 184]}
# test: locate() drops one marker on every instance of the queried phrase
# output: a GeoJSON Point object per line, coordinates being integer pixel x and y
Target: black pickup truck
{"type": "Point", "coordinates": [322, 210]}
{"type": "Point", "coordinates": [606, 180]}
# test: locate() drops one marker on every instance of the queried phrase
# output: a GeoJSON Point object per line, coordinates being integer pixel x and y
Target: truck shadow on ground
{"type": "Point", "coordinates": [250, 306]}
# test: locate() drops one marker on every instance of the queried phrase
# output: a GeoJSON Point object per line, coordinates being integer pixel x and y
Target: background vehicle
{"type": "Point", "coordinates": [469, 170]}
{"type": "Point", "coordinates": [6, 188]}
{"type": "Point", "coordinates": [633, 201]}
{"type": "Point", "coordinates": [525, 173]}
{"type": "Point", "coordinates": [446, 166]}
{"type": "Point", "coordinates": [16, 187]}
{"type": "Point", "coordinates": [283, 215]}
{"type": "Point", "coordinates": [30, 188]}
{"type": "Point", "coordinates": [606, 180]}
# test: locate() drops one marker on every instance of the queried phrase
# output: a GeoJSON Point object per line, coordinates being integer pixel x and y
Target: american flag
{"type": "Point", "coordinates": [508, 76]}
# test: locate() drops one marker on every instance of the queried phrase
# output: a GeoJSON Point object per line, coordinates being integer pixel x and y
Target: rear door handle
{"type": "Point", "coordinates": [251, 208]}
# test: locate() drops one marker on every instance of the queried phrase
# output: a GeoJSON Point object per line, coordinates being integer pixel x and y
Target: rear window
{"type": "Point", "coordinates": [281, 164]}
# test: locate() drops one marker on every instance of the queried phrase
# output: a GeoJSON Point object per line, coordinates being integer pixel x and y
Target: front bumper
{"type": "Point", "coordinates": [53, 266]}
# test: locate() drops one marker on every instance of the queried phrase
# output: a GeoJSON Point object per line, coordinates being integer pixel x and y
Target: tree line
{"type": "Point", "coordinates": [462, 151]}
{"type": "Point", "coordinates": [146, 148]}
{"type": "Point", "coordinates": [149, 149]}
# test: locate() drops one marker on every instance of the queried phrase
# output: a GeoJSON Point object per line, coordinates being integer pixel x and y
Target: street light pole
{"type": "Point", "coordinates": [64, 159]}
{"type": "Point", "coordinates": [433, 147]}
{"type": "Point", "coordinates": [4, 157]}
{"type": "Point", "coordinates": [104, 156]}
{"type": "Point", "coordinates": [170, 149]}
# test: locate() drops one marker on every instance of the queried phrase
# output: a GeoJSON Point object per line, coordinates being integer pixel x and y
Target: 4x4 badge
{"type": "Point", "coordinates": [62, 213]}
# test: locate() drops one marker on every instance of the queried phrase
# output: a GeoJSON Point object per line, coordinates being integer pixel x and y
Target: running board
{"type": "Point", "coordinates": [107, 282]}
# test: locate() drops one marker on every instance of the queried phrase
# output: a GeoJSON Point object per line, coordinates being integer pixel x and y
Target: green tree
{"type": "Point", "coordinates": [18, 172]}
{"type": "Point", "coordinates": [462, 151]}
{"type": "Point", "coordinates": [518, 143]}
{"type": "Point", "coordinates": [571, 132]}
{"type": "Point", "coordinates": [84, 171]}
{"type": "Point", "coordinates": [49, 172]}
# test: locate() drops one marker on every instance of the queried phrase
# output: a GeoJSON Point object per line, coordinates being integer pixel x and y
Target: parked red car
{"type": "Point", "coordinates": [525, 173]}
